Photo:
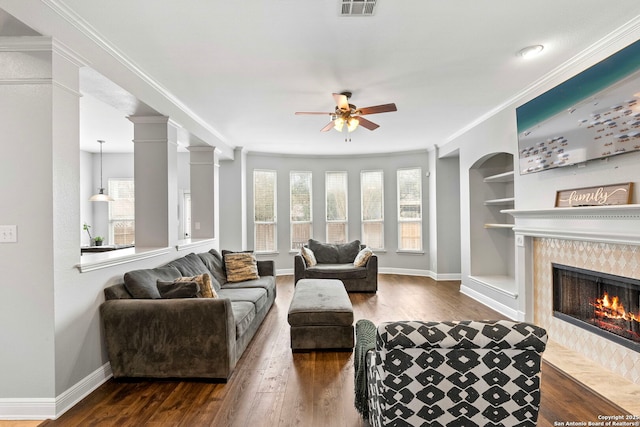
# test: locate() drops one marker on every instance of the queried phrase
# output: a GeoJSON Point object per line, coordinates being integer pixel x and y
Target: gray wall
{"type": "Point", "coordinates": [389, 259]}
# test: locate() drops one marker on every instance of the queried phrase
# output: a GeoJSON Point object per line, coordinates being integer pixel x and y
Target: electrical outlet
{"type": "Point", "coordinates": [8, 234]}
{"type": "Point", "coordinates": [519, 240]}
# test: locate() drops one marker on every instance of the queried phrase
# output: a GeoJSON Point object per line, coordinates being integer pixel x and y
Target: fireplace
{"type": "Point", "coordinates": [602, 303]}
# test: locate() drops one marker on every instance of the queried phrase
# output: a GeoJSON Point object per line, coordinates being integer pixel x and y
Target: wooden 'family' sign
{"type": "Point", "coordinates": [615, 194]}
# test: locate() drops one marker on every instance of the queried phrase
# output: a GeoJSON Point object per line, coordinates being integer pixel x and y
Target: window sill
{"type": "Point", "coordinates": [406, 252]}
{"type": "Point", "coordinates": [192, 243]}
{"type": "Point", "coordinates": [266, 253]}
{"type": "Point", "coordinates": [97, 261]}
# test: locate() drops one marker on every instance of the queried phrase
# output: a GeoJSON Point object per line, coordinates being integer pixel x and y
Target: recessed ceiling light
{"type": "Point", "coordinates": [530, 51]}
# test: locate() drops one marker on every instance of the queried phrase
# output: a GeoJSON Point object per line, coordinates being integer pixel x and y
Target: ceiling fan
{"type": "Point", "coordinates": [350, 115]}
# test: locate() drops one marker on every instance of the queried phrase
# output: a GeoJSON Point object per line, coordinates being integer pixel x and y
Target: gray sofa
{"type": "Point", "coordinates": [153, 337]}
{"type": "Point", "coordinates": [336, 262]}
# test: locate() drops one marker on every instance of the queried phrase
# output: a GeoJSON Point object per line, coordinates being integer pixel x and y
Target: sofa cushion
{"type": "Point", "coordinates": [362, 257]}
{"type": "Point", "coordinates": [214, 263]}
{"type": "Point", "coordinates": [265, 282]}
{"type": "Point", "coordinates": [240, 267]}
{"type": "Point", "coordinates": [243, 314]}
{"type": "Point", "coordinates": [142, 283]}
{"type": "Point", "coordinates": [347, 252]}
{"type": "Point", "coordinates": [336, 271]}
{"type": "Point", "coordinates": [171, 290]}
{"type": "Point", "coordinates": [257, 296]}
{"type": "Point", "coordinates": [189, 265]}
{"type": "Point", "coordinates": [326, 253]}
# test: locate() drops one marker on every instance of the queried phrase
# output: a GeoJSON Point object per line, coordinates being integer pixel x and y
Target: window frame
{"type": "Point", "coordinates": [111, 205]}
{"type": "Point", "coordinates": [362, 210]}
{"type": "Point", "coordinates": [274, 222]}
{"type": "Point", "coordinates": [328, 221]}
{"type": "Point", "coordinates": [308, 222]}
{"type": "Point", "coordinates": [402, 220]}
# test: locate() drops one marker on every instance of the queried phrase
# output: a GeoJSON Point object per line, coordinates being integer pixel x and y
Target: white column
{"type": "Point", "coordinates": [156, 183]}
{"type": "Point", "coordinates": [204, 172]}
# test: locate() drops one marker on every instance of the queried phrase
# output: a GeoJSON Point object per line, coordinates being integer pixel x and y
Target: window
{"type": "Point", "coordinates": [372, 208]}
{"type": "Point", "coordinates": [122, 229]}
{"type": "Point", "coordinates": [264, 210]}
{"type": "Point", "coordinates": [410, 209]}
{"type": "Point", "coordinates": [300, 208]}
{"type": "Point", "coordinates": [336, 206]}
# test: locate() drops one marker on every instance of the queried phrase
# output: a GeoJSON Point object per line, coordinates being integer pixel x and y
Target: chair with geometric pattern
{"type": "Point", "coordinates": [468, 373]}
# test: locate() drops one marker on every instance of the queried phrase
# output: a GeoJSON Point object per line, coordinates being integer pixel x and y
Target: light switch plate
{"type": "Point", "coordinates": [519, 240]}
{"type": "Point", "coordinates": [8, 233]}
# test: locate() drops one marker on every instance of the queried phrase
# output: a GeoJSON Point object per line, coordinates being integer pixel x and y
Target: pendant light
{"type": "Point", "coordinates": [101, 197]}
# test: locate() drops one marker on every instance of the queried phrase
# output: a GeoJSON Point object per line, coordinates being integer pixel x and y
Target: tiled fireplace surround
{"type": "Point", "coordinates": [604, 239]}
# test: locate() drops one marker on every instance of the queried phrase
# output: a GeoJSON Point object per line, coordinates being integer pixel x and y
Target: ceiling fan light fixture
{"type": "Point", "coordinates": [352, 124]}
{"type": "Point", "coordinates": [338, 124]}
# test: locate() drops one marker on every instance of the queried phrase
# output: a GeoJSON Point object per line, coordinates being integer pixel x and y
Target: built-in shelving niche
{"type": "Point", "coordinates": [492, 239]}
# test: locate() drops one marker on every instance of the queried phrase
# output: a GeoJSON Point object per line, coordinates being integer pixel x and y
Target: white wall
{"type": "Point", "coordinates": [498, 133]}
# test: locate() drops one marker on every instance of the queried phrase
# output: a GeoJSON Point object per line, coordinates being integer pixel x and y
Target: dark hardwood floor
{"type": "Point", "coordinates": [273, 387]}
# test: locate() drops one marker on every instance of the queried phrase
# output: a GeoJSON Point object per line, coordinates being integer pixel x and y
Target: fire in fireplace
{"type": "Point", "coordinates": [602, 303]}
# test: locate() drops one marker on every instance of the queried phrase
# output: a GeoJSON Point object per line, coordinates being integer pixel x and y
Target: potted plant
{"type": "Point", "coordinates": [86, 228]}
{"type": "Point", "coordinates": [98, 240]}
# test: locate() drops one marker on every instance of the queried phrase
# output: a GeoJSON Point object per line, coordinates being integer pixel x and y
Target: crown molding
{"type": "Point", "coordinates": [26, 44]}
{"type": "Point", "coordinates": [539, 86]}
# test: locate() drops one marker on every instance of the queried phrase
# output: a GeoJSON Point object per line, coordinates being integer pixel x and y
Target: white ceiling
{"type": "Point", "coordinates": [244, 68]}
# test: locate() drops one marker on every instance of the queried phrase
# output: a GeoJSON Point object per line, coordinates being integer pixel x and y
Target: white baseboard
{"type": "Point", "coordinates": [421, 273]}
{"type": "Point", "coordinates": [82, 389]}
{"type": "Point", "coordinates": [27, 409]}
{"type": "Point", "coordinates": [392, 270]}
{"type": "Point", "coordinates": [483, 299]}
{"type": "Point", "coordinates": [52, 408]}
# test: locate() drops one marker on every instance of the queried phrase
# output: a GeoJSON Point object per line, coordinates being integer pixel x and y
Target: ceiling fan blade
{"type": "Point", "coordinates": [384, 108]}
{"type": "Point", "coordinates": [341, 101]}
{"type": "Point", "coordinates": [368, 124]}
{"type": "Point", "coordinates": [300, 113]}
{"type": "Point", "coordinates": [328, 127]}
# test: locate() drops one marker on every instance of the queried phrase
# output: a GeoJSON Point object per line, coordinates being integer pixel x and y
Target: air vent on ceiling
{"type": "Point", "coordinates": [357, 7]}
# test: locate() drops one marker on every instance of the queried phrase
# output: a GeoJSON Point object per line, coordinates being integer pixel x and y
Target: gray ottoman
{"type": "Point", "coordinates": [321, 316]}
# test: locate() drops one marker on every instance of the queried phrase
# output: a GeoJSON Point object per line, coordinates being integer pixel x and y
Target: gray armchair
{"type": "Point", "coordinates": [355, 279]}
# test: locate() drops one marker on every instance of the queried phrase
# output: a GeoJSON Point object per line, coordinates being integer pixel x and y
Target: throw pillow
{"type": "Point", "coordinates": [308, 256]}
{"type": "Point", "coordinates": [241, 266]}
{"type": "Point", "coordinates": [170, 290]}
{"type": "Point", "coordinates": [204, 281]}
{"type": "Point", "coordinates": [362, 257]}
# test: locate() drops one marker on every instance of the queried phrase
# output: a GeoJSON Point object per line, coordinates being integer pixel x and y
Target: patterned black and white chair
{"type": "Point", "coordinates": [469, 373]}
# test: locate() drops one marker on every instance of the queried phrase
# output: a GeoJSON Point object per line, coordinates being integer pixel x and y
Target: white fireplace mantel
{"type": "Point", "coordinates": [609, 224]}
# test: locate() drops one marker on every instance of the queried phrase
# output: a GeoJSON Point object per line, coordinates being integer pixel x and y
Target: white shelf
{"type": "Point", "coordinates": [505, 201]}
{"type": "Point", "coordinates": [501, 177]}
{"type": "Point", "coordinates": [508, 226]}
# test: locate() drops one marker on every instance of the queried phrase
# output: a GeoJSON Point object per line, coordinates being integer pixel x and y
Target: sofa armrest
{"type": "Point", "coordinates": [164, 338]}
{"type": "Point", "coordinates": [299, 268]}
{"type": "Point", "coordinates": [266, 268]}
{"type": "Point", "coordinates": [495, 335]}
